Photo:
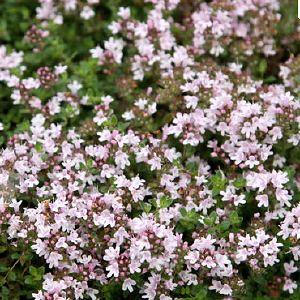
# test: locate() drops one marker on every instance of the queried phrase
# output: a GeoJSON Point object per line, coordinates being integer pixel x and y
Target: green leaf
{"type": "Point", "coordinates": [218, 183]}
{"type": "Point", "coordinates": [39, 147]}
{"type": "Point", "coordinates": [15, 255]}
{"type": "Point", "coordinates": [3, 268]}
{"type": "Point", "coordinates": [4, 293]}
{"type": "Point", "coordinates": [165, 201]}
{"type": "Point", "coordinates": [33, 270]}
{"type": "Point", "coordinates": [189, 219]}
{"type": "Point", "coordinates": [146, 207]}
{"type": "Point", "coordinates": [234, 218]}
{"type": "Point", "coordinates": [211, 219]}
{"type": "Point", "coordinates": [262, 67]}
{"type": "Point", "coordinates": [29, 280]}
{"type": "Point", "coordinates": [89, 163]}
{"type": "Point", "coordinates": [113, 121]}
{"type": "Point", "coordinates": [202, 294]}
{"type": "Point", "coordinates": [12, 276]}
{"type": "Point", "coordinates": [224, 225]}
{"type": "Point", "coordinates": [122, 126]}
{"type": "Point", "coordinates": [240, 183]}
{"type": "Point", "coordinates": [3, 249]}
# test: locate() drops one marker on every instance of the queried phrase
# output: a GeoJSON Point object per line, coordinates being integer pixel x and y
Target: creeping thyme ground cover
{"type": "Point", "coordinates": [149, 149]}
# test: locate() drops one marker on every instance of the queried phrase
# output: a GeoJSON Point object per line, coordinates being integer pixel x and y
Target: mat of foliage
{"type": "Point", "coordinates": [149, 149]}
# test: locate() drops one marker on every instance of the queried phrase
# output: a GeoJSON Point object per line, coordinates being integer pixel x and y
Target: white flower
{"type": "Point", "coordinates": [74, 86]}
{"type": "Point", "coordinates": [87, 13]}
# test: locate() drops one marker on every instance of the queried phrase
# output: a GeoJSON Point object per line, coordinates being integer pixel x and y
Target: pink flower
{"type": "Point", "coordinates": [204, 243]}
{"type": "Point", "coordinates": [226, 290]}
{"type": "Point", "coordinates": [127, 285]}
{"type": "Point", "coordinates": [155, 163]}
{"type": "Point", "coordinates": [290, 268]}
{"type": "Point", "coordinates": [279, 178]}
{"type": "Point", "coordinates": [121, 159]}
{"type": "Point", "coordinates": [192, 257]}
{"type": "Point", "coordinates": [263, 200]}
{"type": "Point", "coordinates": [53, 259]}
{"type": "Point", "coordinates": [208, 262]}
{"type": "Point", "coordinates": [289, 286]}
{"type": "Point", "coordinates": [111, 253]}
{"type": "Point", "coordinates": [283, 197]}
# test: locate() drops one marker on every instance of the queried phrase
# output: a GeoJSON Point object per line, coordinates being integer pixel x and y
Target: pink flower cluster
{"type": "Point", "coordinates": [53, 10]}
{"type": "Point", "coordinates": [98, 219]}
{"type": "Point", "coordinates": [242, 27]}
